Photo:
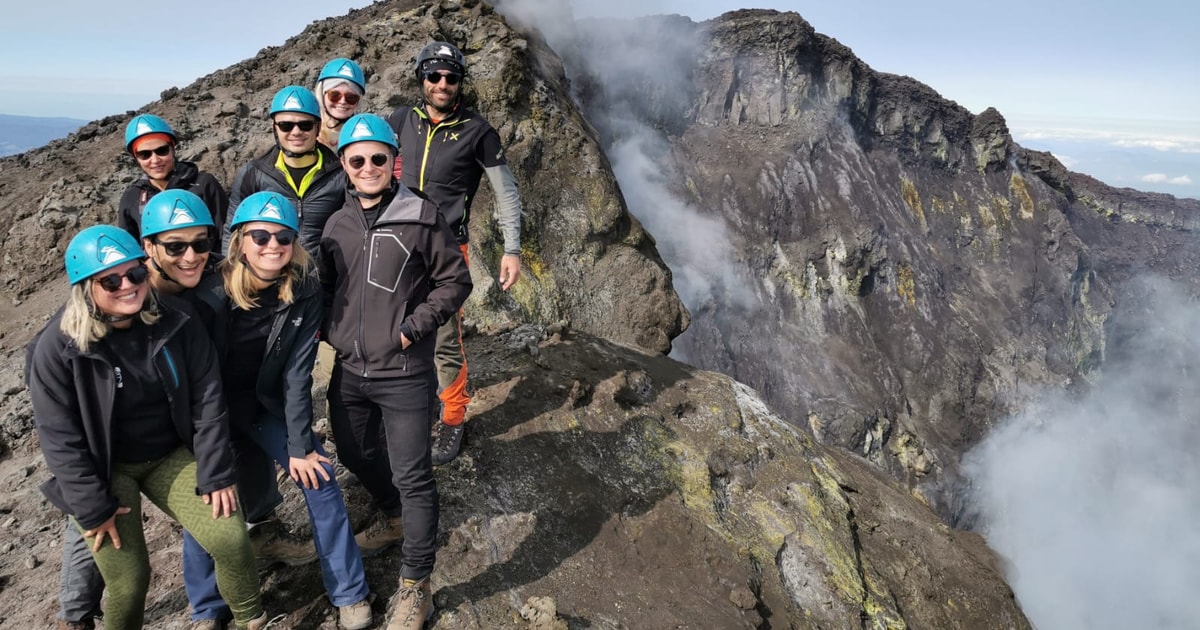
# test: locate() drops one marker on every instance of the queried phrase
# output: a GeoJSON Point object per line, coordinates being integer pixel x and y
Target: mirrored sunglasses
{"type": "Point", "coordinates": [357, 161]}
{"type": "Point", "coordinates": [145, 154]}
{"type": "Point", "coordinates": [336, 97]}
{"type": "Point", "coordinates": [286, 126]}
{"type": "Point", "coordinates": [177, 248]}
{"type": "Point", "coordinates": [436, 77]}
{"type": "Point", "coordinates": [113, 281]}
{"type": "Point", "coordinates": [284, 237]}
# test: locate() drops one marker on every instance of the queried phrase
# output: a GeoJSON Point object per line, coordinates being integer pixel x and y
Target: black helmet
{"type": "Point", "coordinates": [441, 52]}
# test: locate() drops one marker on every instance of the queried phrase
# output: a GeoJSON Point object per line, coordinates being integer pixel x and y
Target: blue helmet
{"type": "Point", "coordinates": [342, 68]}
{"type": "Point", "coordinates": [364, 127]}
{"type": "Point", "coordinates": [266, 206]}
{"type": "Point", "coordinates": [172, 210]}
{"type": "Point", "coordinates": [294, 98]}
{"type": "Point", "coordinates": [97, 248]}
{"type": "Point", "coordinates": [144, 125]}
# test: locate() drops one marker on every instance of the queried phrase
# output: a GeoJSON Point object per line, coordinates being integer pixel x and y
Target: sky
{"type": "Point", "coordinates": [1110, 87]}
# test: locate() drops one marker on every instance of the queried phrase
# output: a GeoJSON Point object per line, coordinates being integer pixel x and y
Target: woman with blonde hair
{"type": "Point", "coordinates": [127, 401]}
{"type": "Point", "coordinates": [267, 306]}
{"type": "Point", "coordinates": [340, 86]}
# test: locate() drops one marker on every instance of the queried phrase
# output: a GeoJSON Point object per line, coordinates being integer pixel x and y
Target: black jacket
{"type": "Point", "coordinates": [446, 160]}
{"type": "Point", "coordinates": [186, 176]}
{"type": "Point", "coordinates": [321, 199]}
{"type": "Point", "coordinates": [405, 272]}
{"type": "Point", "coordinates": [285, 380]}
{"type": "Point", "coordinates": [73, 394]}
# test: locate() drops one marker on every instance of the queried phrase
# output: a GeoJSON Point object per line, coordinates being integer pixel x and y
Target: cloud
{"type": "Point", "coordinates": [1159, 178]}
{"type": "Point", "coordinates": [1091, 497]}
{"type": "Point", "coordinates": [1066, 160]}
{"type": "Point", "coordinates": [1124, 134]}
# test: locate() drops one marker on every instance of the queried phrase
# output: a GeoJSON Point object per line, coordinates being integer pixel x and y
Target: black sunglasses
{"type": "Point", "coordinates": [261, 237]}
{"type": "Point", "coordinates": [286, 125]}
{"type": "Point", "coordinates": [145, 154]}
{"type": "Point", "coordinates": [113, 281]}
{"type": "Point", "coordinates": [357, 161]}
{"type": "Point", "coordinates": [177, 248]}
{"type": "Point", "coordinates": [436, 77]}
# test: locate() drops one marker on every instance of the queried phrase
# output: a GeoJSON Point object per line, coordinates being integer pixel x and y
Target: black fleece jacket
{"type": "Point", "coordinates": [284, 385]}
{"type": "Point", "coordinates": [186, 176]}
{"type": "Point", "coordinates": [73, 393]}
{"type": "Point", "coordinates": [404, 273]}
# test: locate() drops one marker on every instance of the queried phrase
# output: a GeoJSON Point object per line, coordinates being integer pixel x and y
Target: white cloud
{"type": "Point", "coordinates": [1066, 160]}
{"type": "Point", "coordinates": [1177, 137]}
{"type": "Point", "coordinates": [1160, 178]}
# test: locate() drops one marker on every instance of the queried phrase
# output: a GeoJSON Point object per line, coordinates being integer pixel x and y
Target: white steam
{"type": "Point", "coordinates": [1095, 501]}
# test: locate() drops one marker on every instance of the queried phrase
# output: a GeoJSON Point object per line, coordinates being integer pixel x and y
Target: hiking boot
{"type": "Point", "coordinates": [355, 616]}
{"type": "Point", "coordinates": [86, 624]}
{"type": "Point", "coordinates": [207, 624]}
{"type": "Point", "coordinates": [262, 622]}
{"type": "Point", "coordinates": [383, 533]}
{"type": "Point", "coordinates": [275, 545]}
{"type": "Point", "coordinates": [414, 605]}
{"type": "Point", "coordinates": [447, 439]}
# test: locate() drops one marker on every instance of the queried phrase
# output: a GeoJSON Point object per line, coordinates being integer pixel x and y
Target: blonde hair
{"type": "Point", "coordinates": [80, 321]}
{"type": "Point", "coordinates": [239, 281]}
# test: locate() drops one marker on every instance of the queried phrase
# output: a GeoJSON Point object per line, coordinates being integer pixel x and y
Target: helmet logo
{"type": "Point", "coordinates": [181, 214]}
{"type": "Point", "coordinates": [144, 127]}
{"type": "Point", "coordinates": [109, 251]}
{"type": "Point", "coordinates": [444, 51]}
{"type": "Point", "coordinates": [346, 71]}
{"type": "Point", "coordinates": [270, 211]}
{"type": "Point", "coordinates": [292, 103]}
{"type": "Point", "coordinates": [361, 130]}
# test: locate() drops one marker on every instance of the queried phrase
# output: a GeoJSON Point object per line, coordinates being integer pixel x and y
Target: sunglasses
{"type": "Point", "coordinates": [336, 97]}
{"type": "Point", "coordinates": [436, 77]}
{"type": "Point", "coordinates": [145, 154]}
{"type": "Point", "coordinates": [286, 126]}
{"type": "Point", "coordinates": [357, 161]}
{"type": "Point", "coordinates": [284, 237]}
{"type": "Point", "coordinates": [177, 248]}
{"type": "Point", "coordinates": [113, 281]}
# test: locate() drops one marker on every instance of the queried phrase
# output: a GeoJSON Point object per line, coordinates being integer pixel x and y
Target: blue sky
{"type": "Point", "coordinates": [1109, 87]}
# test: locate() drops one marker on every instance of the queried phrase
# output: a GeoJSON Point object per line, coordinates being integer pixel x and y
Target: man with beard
{"type": "Point", "coordinates": [445, 148]}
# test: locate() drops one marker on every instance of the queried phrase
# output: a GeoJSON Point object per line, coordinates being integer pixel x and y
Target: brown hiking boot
{"type": "Point", "coordinates": [414, 605]}
{"type": "Point", "coordinates": [275, 545]}
{"type": "Point", "coordinates": [383, 533]}
{"type": "Point", "coordinates": [355, 616]}
{"type": "Point", "coordinates": [86, 624]}
{"type": "Point", "coordinates": [207, 624]}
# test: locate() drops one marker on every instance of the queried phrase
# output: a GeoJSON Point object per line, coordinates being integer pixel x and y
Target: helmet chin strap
{"type": "Point", "coordinates": [293, 154]}
{"type": "Point", "coordinates": [269, 281]}
{"type": "Point", "coordinates": [361, 195]}
{"type": "Point", "coordinates": [163, 272]}
{"type": "Point", "coordinates": [105, 317]}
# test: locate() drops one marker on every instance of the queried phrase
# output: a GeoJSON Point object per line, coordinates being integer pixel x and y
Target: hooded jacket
{"type": "Point", "coordinates": [73, 395]}
{"type": "Point", "coordinates": [321, 194]}
{"type": "Point", "coordinates": [186, 176]}
{"type": "Point", "coordinates": [404, 273]}
{"type": "Point", "coordinates": [284, 385]}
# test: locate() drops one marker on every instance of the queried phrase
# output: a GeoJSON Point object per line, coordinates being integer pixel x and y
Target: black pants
{"type": "Point", "coordinates": [400, 478]}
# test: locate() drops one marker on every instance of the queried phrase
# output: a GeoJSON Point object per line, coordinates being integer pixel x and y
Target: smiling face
{"type": "Point", "coordinates": [337, 99]}
{"type": "Point", "coordinates": [157, 167]}
{"type": "Point", "coordinates": [441, 96]}
{"type": "Point", "coordinates": [359, 162]}
{"type": "Point", "coordinates": [126, 300]}
{"type": "Point", "coordinates": [186, 269]}
{"type": "Point", "coordinates": [296, 139]}
{"type": "Point", "coordinates": [270, 259]}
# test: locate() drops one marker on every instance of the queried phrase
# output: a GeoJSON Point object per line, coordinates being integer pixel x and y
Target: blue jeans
{"type": "Point", "coordinates": [341, 563]}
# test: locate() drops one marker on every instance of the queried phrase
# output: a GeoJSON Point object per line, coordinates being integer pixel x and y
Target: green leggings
{"type": "Point", "coordinates": [170, 483]}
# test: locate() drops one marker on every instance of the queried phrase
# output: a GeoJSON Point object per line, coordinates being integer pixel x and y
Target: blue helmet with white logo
{"type": "Point", "coordinates": [172, 210]}
{"type": "Point", "coordinates": [342, 68]}
{"type": "Point", "coordinates": [266, 206]}
{"type": "Point", "coordinates": [144, 125]}
{"type": "Point", "coordinates": [98, 248]}
{"type": "Point", "coordinates": [364, 127]}
{"type": "Point", "coordinates": [294, 98]}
